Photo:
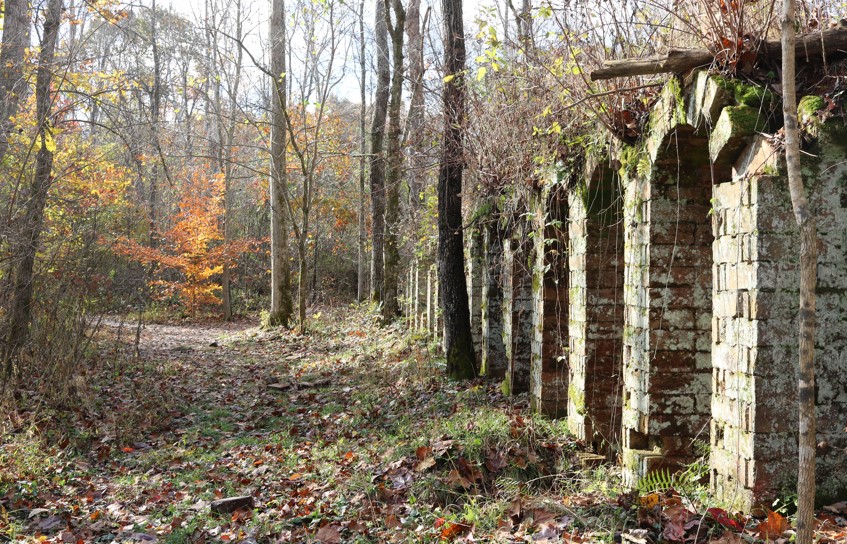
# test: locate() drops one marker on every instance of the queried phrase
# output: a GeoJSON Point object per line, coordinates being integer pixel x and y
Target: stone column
{"type": "Point", "coordinates": [517, 314]}
{"type": "Point", "coordinates": [416, 297]}
{"type": "Point", "coordinates": [755, 338]}
{"type": "Point", "coordinates": [430, 327]}
{"type": "Point", "coordinates": [493, 364]}
{"type": "Point", "coordinates": [474, 263]}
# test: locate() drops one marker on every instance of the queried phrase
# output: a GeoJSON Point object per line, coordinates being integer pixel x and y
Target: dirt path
{"type": "Point", "coordinates": [168, 337]}
{"type": "Point", "coordinates": [361, 440]}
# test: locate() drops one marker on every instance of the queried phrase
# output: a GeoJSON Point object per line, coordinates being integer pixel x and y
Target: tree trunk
{"type": "Point", "coordinates": [281, 305]}
{"type": "Point", "coordinates": [415, 119]}
{"type": "Point", "coordinates": [458, 344]}
{"type": "Point", "coordinates": [13, 86]}
{"type": "Point", "coordinates": [155, 113]}
{"type": "Point", "coordinates": [394, 165]}
{"type": "Point", "coordinates": [808, 282]}
{"type": "Point", "coordinates": [36, 195]}
{"type": "Point", "coordinates": [302, 288]}
{"type": "Point", "coordinates": [361, 273]}
{"type": "Point", "coordinates": [377, 160]}
{"type": "Point", "coordinates": [226, 156]}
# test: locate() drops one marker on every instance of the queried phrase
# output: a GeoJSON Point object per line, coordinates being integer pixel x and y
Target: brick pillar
{"type": "Point", "coordinates": [595, 271]}
{"type": "Point", "coordinates": [668, 299]}
{"type": "Point", "coordinates": [474, 262]}
{"type": "Point", "coordinates": [756, 250]}
{"type": "Point", "coordinates": [517, 313]}
{"type": "Point", "coordinates": [417, 297]}
{"type": "Point", "coordinates": [430, 308]}
{"type": "Point", "coordinates": [548, 366]}
{"type": "Point", "coordinates": [493, 363]}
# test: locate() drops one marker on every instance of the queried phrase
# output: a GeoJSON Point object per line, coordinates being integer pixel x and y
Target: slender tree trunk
{"type": "Point", "coordinates": [281, 306]}
{"type": "Point", "coordinates": [13, 86]}
{"type": "Point", "coordinates": [394, 164]}
{"type": "Point", "coordinates": [155, 113]}
{"type": "Point", "coordinates": [361, 291]}
{"type": "Point", "coordinates": [808, 283]}
{"type": "Point", "coordinates": [377, 160]}
{"type": "Point", "coordinates": [228, 138]}
{"type": "Point", "coordinates": [302, 287]}
{"type": "Point", "coordinates": [36, 195]}
{"type": "Point", "coordinates": [458, 344]}
{"type": "Point", "coordinates": [415, 118]}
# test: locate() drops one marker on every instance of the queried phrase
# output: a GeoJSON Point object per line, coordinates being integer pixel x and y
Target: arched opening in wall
{"type": "Point", "coordinates": [549, 367]}
{"type": "Point", "coordinates": [601, 331]}
{"type": "Point", "coordinates": [668, 303]}
{"type": "Point", "coordinates": [680, 297]}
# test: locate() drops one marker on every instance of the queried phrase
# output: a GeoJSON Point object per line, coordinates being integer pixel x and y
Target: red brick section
{"type": "Point", "coordinates": [549, 366]}
{"type": "Point", "coordinates": [595, 269]}
{"type": "Point", "coordinates": [668, 292]}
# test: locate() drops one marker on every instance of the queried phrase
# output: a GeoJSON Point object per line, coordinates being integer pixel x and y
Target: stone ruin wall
{"type": "Point", "coordinates": [662, 323]}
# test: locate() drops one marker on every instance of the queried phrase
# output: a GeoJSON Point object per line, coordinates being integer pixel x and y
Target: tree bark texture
{"type": "Point", "coordinates": [808, 283]}
{"type": "Point", "coordinates": [394, 164]}
{"type": "Point", "coordinates": [155, 114]}
{"type": "Point", "coordinates": [13, 86]}
{"type": "Point", "coordinates": [361, 275]}
{"type": "Point", "coordinates": [377, 160]}
{"type": "Point", "coordinates": [225, 148]}
{"type": "Point", "coordinates": [458, 343]}
{"type": "Point", "coordinates": [281, 305]}
{"type": "Point", "coordinates": [415, 118]}
{"type": "Point", "coordinates": [35, 197]}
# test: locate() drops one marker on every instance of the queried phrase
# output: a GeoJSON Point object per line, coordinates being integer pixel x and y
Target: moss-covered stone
{"type": "Point", "coordinates": [732, 132]}
{"type": "Point", "coordinates": [577, 399]}
{"type": "Point", "coordinates": [744, 94]}
{"type": "Point", "coordinates": [810, 105]}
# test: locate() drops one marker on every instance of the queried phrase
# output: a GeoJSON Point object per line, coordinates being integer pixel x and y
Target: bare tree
{"type": "Point", "coordinates": [393, 162]}
{"type": "Point", "coordinates": [35, 196]}
{"type": "Point", "coordinates": [415, 118]}
{"type": "Point", "coordinates": [461, 360]}
{"type": "Point", "coordinates": [361, 272]}
{"type": "Point", "coordinates": [16, 36]}
{"type": "Point", "coordinates": [377, 160]}
{"type": "Point", "coordinates": [227, 68]}
{"type": "Point", "coordinates": [808, 281]}
{"type": "Point", "coordinates": [281, 306]}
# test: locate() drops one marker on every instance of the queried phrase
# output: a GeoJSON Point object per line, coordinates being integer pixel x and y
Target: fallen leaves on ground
{"type": "Point", "coordinates": [363, 440]}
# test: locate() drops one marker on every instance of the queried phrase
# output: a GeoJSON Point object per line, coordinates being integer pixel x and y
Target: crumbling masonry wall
{"type": "Point", "coordinates": [659, 295]}
{"type": "Point", "coordinates": [667, 292]}
{"type": "Point", "coordinates": [474, 265]}
{"type": "Point", "coordinates": [754, 427]}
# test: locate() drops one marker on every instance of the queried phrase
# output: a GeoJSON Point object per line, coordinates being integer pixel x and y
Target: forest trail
{"type": "Point", "coordinates": [155, 337]}
{"type": "Point", "coordinates": [347, 434]}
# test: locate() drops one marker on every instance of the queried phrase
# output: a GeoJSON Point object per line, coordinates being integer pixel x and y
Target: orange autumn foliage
{"type": "Point", "coordinates": [192, 252]}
